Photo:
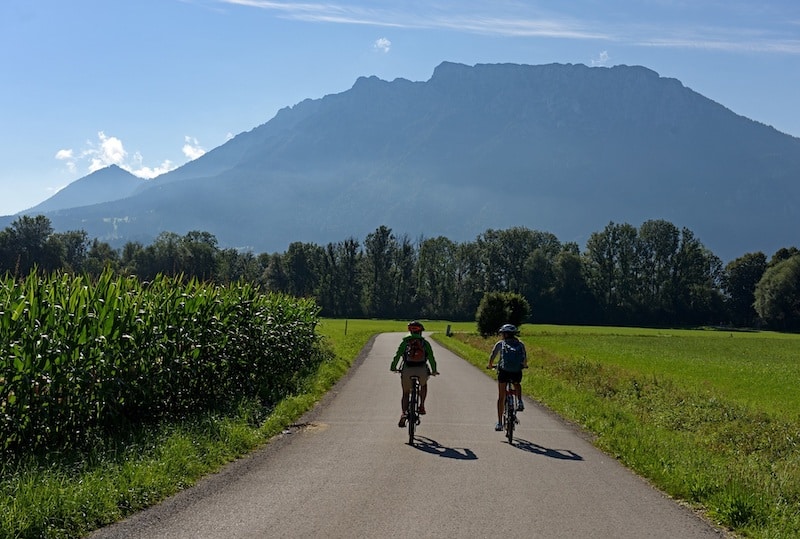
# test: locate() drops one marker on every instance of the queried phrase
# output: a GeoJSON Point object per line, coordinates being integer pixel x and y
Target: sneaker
{"type": "Point", "coordinates": [498, 426]}
{"type": "Point", "coordinates": [421, 409]}
{"type": "Point", "coordinates": [520, 406]}
{"type": "Point", "coordinates": [402, 422]}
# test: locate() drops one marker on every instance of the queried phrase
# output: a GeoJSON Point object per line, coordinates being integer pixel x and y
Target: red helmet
{"type": "Point", "coordinates": [416, 327]}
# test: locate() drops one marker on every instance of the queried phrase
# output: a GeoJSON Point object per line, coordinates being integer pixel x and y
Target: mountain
{"type": "Point", "coordinates": [559, 148]}
{"type": "Point", "coordinates": [104, 185]}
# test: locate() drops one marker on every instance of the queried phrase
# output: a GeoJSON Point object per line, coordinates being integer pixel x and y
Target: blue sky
{"type": "Point", "coordinates": [150, 84]}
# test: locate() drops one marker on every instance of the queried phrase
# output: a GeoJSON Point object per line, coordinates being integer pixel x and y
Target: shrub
{"type": "Point", "coordinates": [498, 308]}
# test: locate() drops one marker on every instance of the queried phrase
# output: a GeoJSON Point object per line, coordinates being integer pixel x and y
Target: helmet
{"type": "Point", "coordinates": [416, 327]}
{"type": "Point", "coordinates": [508, 328]}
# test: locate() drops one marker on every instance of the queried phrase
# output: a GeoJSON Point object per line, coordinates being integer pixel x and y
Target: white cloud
{"type": "Point", "coordinates": [382, 45]}
{"type": "Point", "coordinates": [69, 160]}
{"type": "Point", "coordinates": [64, 155]}
{"type": "Point", "coordinates": [192, 148]}
{"type": "Point", "coordinates": [149, 173]}
{"type": "Point", "coordinates": [109, 150]}
{"type": "Point", "coordinates": [601, 60]}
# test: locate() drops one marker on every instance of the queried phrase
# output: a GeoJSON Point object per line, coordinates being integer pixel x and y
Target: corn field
{"type": "Point", "coordinates": [80, 358]}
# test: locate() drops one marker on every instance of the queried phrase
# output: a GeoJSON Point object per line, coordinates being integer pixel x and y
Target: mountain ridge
{"type": "Point", "coordinates": [562, 148]}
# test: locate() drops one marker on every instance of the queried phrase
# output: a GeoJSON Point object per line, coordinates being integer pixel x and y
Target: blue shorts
{"type": "Point", "coordinates": [504, 376]}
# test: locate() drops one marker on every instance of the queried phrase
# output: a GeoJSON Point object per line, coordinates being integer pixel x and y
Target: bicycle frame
{"type": "Point", "coordinates": [510, 412]}
{"type": "Point", "coordinates": [412, 413]}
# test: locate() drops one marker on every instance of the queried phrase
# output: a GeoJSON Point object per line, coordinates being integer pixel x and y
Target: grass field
{"type": "Point", "coordinates": [757, 369]}
{"type": "Point", "coordinates": [710, 417]}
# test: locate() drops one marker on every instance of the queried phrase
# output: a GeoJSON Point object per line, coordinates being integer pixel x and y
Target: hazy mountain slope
{"type": "Point", "coordinates": [559, 148]}
{"type": "Point", "coordinates": [104, 185]}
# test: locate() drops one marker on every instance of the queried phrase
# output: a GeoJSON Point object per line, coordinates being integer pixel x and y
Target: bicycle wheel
{"type": "Point", "coordinates": [413, 411]}
{"type": "Point", "coordinates": [510, 419]}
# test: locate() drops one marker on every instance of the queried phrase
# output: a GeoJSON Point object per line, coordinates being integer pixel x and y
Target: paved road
{"type": "Point", "coordinates": [348, 472]}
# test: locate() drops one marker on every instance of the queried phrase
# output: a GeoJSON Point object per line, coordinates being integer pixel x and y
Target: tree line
{"type": "Point", "coordinates": [656, 274]}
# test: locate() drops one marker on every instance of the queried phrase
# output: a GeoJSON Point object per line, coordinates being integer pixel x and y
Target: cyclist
{"type": "Point", "coordinates": [513, 359]}
{"type": "Point", "coordinates": [414, 366]}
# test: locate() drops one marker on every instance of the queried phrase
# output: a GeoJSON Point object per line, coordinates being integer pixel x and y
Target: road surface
{"type": "Point", "coordinates": [348, 471]}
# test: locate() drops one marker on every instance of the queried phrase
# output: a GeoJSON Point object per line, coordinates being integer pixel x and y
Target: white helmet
{"type": "Point", "coordinates": [508, 328]}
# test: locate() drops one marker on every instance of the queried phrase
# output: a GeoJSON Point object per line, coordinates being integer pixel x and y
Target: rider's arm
{"type": "Point", "coordinates": [495, 351]}
{"type": "Point", "coordinates": [429, 355]}
{"type": "Point", "coordinates": [524, 356]}
{"type": "Point", "coordinates": [400, 351]}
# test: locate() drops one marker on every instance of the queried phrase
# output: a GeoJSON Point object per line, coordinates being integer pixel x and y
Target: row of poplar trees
{"type": "Point", "coordinates": [656, 274]}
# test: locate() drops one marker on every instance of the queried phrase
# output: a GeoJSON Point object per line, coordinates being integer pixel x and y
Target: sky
{"type": "Point", "coordinates": [149, 85]}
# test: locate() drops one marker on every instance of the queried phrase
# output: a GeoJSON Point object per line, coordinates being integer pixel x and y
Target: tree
{"type": "Point", "coordinates": [658, 246]}
{"type": "Point", "coordinates": [573, 300]}
{"type": "Point", "coordinates": [405, 286]}
{"type": "Point", "coordinates": [350, 256]}
{"type": "Point", "coordinates": [740, 278]}
{"type": "Point", "coordinates": [132, 259]}
{"type": "Point", "coordinates": [26, 244]}
{"type": "Point", "coordinates": [233, 266]}
{"type": "Point", "coordinates": [696, 283]}
{"type": "Point", "coordinates": [612, 271]}
{"type": "Point", "coordinates": [339, 284]}
{"type": "Point", "coordinates": [436, 278]}
{"type": "Point", "coordinates": [301, 263]}
{"type": "Point", "coordinates": [275, 275]}
{"type": "Point", "coordinates": [468, 280]}
{"type": "Point", "coordinates": [784, 253]}
{"type": "Point", "coordinates": [504, 254]}
{"type": "Point", "coordinates": [777, 295]}
{"type": "Point", "coordinates": [197, 255]}
{"type": "Point", "coordinates": [100, 257]}
{"type": "Point", "coordinates": [540, 285]}
{"type": "Point", "coordinates": [163, 256]}
{"type": "Point", "coordinates": [378, 260]}
{"type": "Point", "coordinates": [72, 247]}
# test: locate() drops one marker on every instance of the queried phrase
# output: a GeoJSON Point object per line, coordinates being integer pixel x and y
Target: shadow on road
{"type": "Point", "coordinates": [435, 448]}
{"type": "Point", "coordinates": [561, 454]}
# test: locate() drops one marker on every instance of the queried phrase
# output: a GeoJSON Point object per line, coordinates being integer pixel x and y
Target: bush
{"type": "Point", "coordinates": [498, 308]}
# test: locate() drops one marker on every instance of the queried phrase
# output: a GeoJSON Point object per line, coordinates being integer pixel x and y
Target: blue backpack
{"type": "Point", "coordinates": [512, 355]}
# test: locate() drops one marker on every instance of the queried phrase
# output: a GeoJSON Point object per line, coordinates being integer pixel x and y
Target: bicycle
{"type": "Point", "coordinates": [509, 417]}
{"type": "Point", "coordinates": [412, 414]}
{"type": "Point", "coordinates": [510, 413]}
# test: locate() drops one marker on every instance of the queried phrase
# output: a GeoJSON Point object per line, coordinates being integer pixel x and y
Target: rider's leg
{"type": "Point", "coordinates": [501, 400]}
{"type": "Point", "coordinates": [404, 402]}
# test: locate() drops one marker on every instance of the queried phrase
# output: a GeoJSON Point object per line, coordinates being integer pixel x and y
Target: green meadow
{"type": "Point", "coordinates": [757, 369]}
{"type": "Point", "coordinates": [710, 417]}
